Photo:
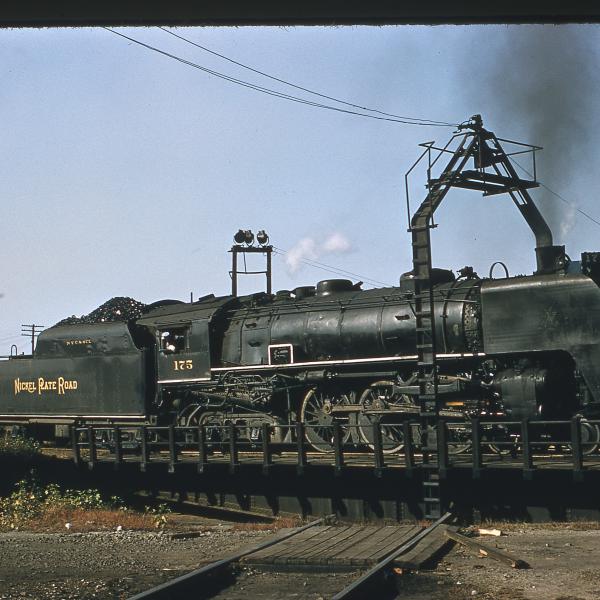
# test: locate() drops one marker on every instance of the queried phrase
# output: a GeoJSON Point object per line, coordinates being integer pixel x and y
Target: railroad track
{"type": "Point", "coordinates": [308, 547]}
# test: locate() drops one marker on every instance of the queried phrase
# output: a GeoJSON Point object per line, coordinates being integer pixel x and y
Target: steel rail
{"type": "Point", "coordinates": [189, 585]}
{"type": "Point", "coordinates": [357, 588]}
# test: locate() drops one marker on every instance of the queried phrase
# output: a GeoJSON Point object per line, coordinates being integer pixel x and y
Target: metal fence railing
{"type": "Point", "coordinates": [476, 444]}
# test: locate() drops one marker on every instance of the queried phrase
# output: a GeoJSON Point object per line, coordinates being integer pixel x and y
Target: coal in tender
{"type": "Point", "coordinates": [116, 309]}
{"type": "Point", "coordinates": [120, 308]}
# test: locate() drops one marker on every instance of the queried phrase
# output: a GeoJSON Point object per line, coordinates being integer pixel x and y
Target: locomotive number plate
{"type": "Point", "coordinates": [183, 365]}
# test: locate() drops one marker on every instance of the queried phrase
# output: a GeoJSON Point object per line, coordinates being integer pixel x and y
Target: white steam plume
{"type": "Point", "coordinates": [336, 243]}
{"type": "Point", "coordinates": [567, 223]}
{"type": "Point", "coordinates": [310, 249]}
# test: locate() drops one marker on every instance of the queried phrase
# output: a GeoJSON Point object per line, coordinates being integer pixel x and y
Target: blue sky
{"type": "Point", "coordinates": [125, 173]}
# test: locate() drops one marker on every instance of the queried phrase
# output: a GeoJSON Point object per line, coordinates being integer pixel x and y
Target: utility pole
{"type": "Point", "coordinates": [31, 331]}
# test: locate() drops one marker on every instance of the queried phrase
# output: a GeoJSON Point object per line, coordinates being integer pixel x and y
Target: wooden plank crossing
{"type": "Point", "coordinates": [339, 547]}
{"type": "Point", "coordinates": [426, 551]}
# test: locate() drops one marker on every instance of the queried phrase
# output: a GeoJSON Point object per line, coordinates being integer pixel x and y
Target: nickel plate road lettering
{"type": "Point", "coordinates": [59, 386]}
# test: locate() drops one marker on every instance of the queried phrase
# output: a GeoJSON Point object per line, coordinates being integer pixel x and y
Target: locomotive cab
{"type": "Point", "coordinates": [183, 352]}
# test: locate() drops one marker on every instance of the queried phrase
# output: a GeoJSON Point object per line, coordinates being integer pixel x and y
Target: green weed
{"type": "Point", "coordinates": [35, 506]}
{"type": "Point", "coordinates": [17, 446]}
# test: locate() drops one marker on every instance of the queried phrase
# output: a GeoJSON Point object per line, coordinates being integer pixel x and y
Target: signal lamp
{"type": "Point", "coordinates": [262, 238]}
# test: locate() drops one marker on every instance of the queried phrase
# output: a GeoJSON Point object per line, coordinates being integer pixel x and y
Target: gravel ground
{"type": "Point", "coordinates": [105, 565]}
{"type": "Point", "coordinates": [565, 566]}
{"type": "Point", "coordinates": [321, 586]}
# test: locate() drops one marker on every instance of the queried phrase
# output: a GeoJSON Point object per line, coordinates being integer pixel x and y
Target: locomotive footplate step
{"type": "Point", "coordinates": [343, 547]}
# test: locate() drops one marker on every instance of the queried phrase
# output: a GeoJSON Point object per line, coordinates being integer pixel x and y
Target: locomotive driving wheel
{"type": "Point", "coordinates": [380, 396]}
{"type": "Point", "coordinates": [318, 417]}
{"type": "Point", "coordinates": [459, 434]}
{"type": "Point", "coordinates": [590, 436]}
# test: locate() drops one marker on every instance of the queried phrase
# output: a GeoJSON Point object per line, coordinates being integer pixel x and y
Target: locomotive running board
{"type": "Point", "coordinates": [348, 361]}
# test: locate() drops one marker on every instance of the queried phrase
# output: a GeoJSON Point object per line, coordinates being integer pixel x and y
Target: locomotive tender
{"type": "Point", "coordinates": [516, 347]}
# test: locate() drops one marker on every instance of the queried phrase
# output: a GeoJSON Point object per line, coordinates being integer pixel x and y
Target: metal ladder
{"type": "Point", "coordinates": [420, 227]}
{"type": "Point", "coordinates": [485, 149]}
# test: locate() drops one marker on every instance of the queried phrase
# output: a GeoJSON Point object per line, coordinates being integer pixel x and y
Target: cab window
{"type": "Point", "coordinates": [173, 341]}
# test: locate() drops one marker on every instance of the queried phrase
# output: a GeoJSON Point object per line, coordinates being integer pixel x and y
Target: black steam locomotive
{"type": "Point", "coordinates": [516, 347]}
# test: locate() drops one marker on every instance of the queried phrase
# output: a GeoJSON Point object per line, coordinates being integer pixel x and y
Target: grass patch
{"type": "Point", "coordinates": [56, 519]}
{"type": "Point", "coordinates": [278, 523]}
{"type": "Point", "coordinates": [18, 447]}
{"type": "Point", "coordinates": [34, 507]}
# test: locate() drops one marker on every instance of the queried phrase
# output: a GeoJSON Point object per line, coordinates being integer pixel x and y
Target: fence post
{"type": "Point", "coordinates": [302, 462]}
{"type": "Point", "coordinates": [527, 455]}
{"type": "Point", "coordinates": [409, 460]}
{"type": "Point", "coordinates": [143, 449]}
{"type": "Point", "coordinates": [118, 448]}
{"type": "Point", "coordinates": [378, 449]}
{"type": "Point", "coordinates": [75, 445]}
{"type": "Point", "coordinates": [338, 447]}
{"type": "Point", "coordinates": [233, 449]}
{"type": "Point", "coordinates": [576, 448]}
{"type": "Point", "coordinates": [172, 449]}
{"type": "Point", "coordinates": [442, 448]}
{"type": "Point", "coordinates": [91, 447]}
{"type": "Point", "coordinates": [476, 447]}
{"type": "Point", "coordinates": [202, 453]}
{"type": "Point", "coordinates": [266, 448]}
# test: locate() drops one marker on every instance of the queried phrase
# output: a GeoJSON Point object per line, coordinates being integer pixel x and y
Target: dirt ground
{"type": "Point", "coordinates": [565, 565]}
{"type": "Point", "coordinates": [564, 560]}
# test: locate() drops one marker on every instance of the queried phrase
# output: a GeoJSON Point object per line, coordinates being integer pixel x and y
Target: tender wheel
{"type": "Point", "coordinates": [316, 414]}
{"type": "Point", "coordinates": [380, 396]}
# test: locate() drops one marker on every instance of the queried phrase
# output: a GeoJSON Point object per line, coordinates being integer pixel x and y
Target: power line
{"type": "Point", "coordinates": [6, 330]}
{"type": "Point", "coordinates": [568, 202]}
{"type": "Point", "coordinates": [331, 269]}
{"type": "Point", "coordinates": [269, 91]}
{"type": "Point", "coordinates": [304, 89]}
{"type": "Point", "coordinates": [10, 338]}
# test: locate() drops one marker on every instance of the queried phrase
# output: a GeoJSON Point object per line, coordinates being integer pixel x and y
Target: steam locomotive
{"type": "Point", "coordinates": [520, 346]}
{"type": "Point", "coordinates": [516, 347]}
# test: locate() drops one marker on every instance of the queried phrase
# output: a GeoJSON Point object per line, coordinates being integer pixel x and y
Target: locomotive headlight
{"type": "Point", "coordinates": [262, 238]}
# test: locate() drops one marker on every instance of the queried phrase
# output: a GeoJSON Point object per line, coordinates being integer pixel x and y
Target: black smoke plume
{"type": "Point", "coordinates": [543, 78]}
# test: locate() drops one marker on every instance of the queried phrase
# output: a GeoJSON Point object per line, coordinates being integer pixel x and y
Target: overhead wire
{"type": "Point", "coordinates": [6, 330]}
{"type": "Point", "coordinates": [562, 198]}
{"type": "Point", "coordinates": [299, 87]}
{"type": "Point", "coordinates": [10, 337]}
{"type": "Point", "coordinates": [332, 269]}
{"type": "Point", "coordinates": [269, 91]}
{"type": "Point", "coordinates": [384, 116]}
